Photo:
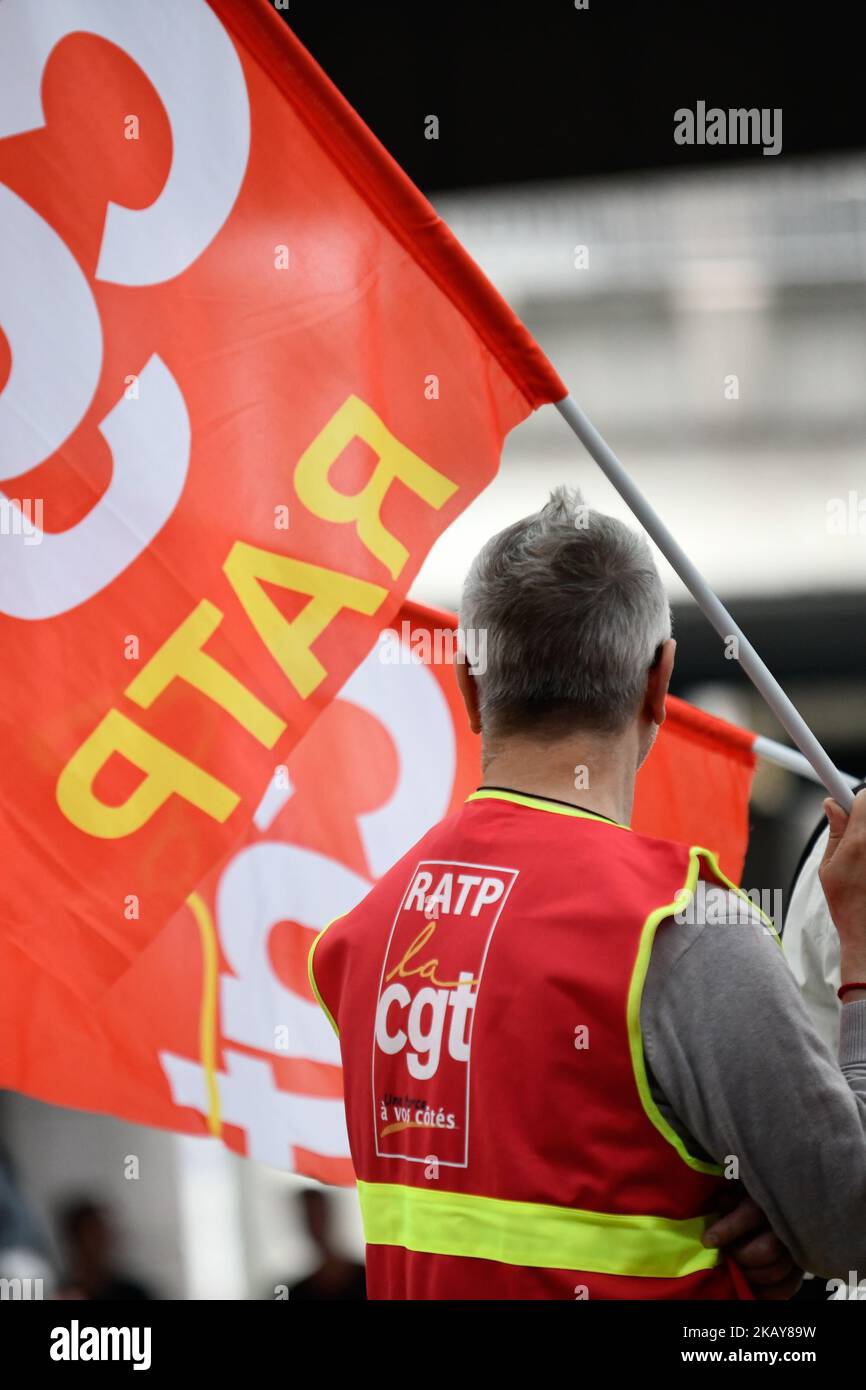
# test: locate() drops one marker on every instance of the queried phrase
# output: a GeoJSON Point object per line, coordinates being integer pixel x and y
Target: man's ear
{"type": "Point", "coordinates": [469, 690]}
{"type": "Point", "coordinates": [658, 681]}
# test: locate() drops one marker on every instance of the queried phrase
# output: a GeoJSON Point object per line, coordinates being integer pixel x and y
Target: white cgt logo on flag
{"type": "Point", "coordinates": [47, 306]}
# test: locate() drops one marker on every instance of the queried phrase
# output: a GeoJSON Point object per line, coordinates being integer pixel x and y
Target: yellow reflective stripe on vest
{"type": "Point", "coordinates": [538, 803]}
{"type": "Point", "coordinates": [635, 996]}
{"type": "Point", "coordinates": [312, 978]}
{"type": "Point", "coordinates": [532, 1235]}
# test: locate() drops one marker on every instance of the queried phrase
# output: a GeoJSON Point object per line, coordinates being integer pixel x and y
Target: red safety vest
{"type": "Point", "coordinates": [486, 994]}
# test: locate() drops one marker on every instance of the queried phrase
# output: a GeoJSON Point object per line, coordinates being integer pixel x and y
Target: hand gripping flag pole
{"type": "Point", "coordinates": [759, 674]}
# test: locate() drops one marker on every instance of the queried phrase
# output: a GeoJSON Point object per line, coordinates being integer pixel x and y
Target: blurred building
{"type": "Point", "coordinates": [713, 330]}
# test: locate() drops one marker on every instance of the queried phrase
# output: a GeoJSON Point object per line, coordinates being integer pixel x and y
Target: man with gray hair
{"type": "Point", "coordinates": [569, 1083]}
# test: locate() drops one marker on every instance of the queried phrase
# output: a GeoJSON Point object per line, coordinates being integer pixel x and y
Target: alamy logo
{"type": "Point", "coordinates": [22, 517]}
{"type": "Point", "coordinates": [76, 1343]}
{"type": "Point", "coordinates": [736, 126]}
{"type": "Point", "coordinates": [22, 1289]}
{"type": "Point", "coordinates": [712, 906]}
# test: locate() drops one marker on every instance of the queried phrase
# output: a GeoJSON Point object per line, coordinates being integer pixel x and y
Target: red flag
{"type": "Point", "coordinates": [213, 1026]}
{"type": "Point", "coordinates": [250, 379]}
{"type": "Point", "coordinates": [694, 787]}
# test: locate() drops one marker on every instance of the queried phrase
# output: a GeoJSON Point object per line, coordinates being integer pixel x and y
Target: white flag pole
{"type": "Point", "coordinates": [759, 674]}
{"type": "Point", "coordinates": [791, 760]}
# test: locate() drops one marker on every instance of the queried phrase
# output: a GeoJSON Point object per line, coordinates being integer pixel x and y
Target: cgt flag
{"type": "Point", "coordinates": [213, 1027]}
{"type": "Point", "coordinates": [248, 377]}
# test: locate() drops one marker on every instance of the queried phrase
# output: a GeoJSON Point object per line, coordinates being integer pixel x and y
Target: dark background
{"type": "Point", "coordinates": [544, 91]}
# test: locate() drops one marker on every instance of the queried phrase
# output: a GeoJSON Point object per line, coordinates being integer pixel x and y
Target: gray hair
{"type": "Point", "coordinates": [574, 613]}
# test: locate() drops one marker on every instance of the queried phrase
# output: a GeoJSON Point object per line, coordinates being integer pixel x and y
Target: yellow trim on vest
{"type": "Point", "coordinates": [635, 994]}
{"type": "Point", "coordinates": [531, 1234]}
{"type": "Point", "coordinates": [538, 803]}
{"type": "Point", "coordinates": [313, 986]}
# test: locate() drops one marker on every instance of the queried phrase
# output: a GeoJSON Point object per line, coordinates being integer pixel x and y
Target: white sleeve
{"type": "Point", "coordinates": [812, 948]}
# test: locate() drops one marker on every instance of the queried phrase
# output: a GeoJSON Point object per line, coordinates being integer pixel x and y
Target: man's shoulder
{"type": "Point", "coordinates": [722, 931]}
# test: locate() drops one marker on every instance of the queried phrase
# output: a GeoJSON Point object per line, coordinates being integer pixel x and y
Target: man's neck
{"type": "Point", "coordinates": [594, 773]}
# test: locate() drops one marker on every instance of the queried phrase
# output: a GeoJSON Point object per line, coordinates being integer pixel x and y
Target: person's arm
{"type": "Point", "coordinates": [733, 1051]}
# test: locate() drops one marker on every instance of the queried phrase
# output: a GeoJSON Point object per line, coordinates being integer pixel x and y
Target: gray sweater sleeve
{"type": "Point", "coordinates": [738, 1069]}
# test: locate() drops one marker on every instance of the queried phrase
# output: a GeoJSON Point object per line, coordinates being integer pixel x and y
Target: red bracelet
{"type": "Point", "coordinates": [846, 989]}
